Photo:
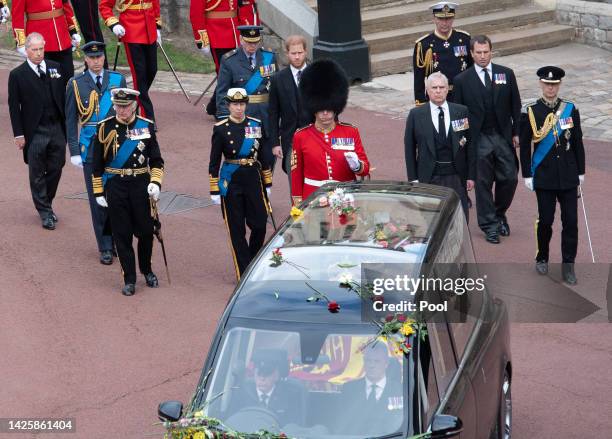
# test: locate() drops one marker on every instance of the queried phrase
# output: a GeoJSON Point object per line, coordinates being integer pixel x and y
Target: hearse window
{"type": "Point", "coordinates": [274, 380]}
{"type": "Point", "coordinates": [442, 355]}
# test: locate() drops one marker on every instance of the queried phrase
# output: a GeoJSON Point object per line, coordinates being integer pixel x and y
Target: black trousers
{"type": "Point", "coordinates": [496, 165]}
{"type": "Point", "coordinates": [454, 182]}
{"type": "Point", "coordinates": [64, 58]}
{"type": "Point", "coordinates": [547, 200]}
{"type": "Point", "coordinates": [129, 210]}
{"type": "Point", "coordinates": [245, 205]}
{"type": "Point", "coordinates": [217, 54]}
{"type": "Point", "coordinates": [142, 59]}
{"type": "Point", "coordinates": [86, 12]}
{"type": "Point", "coordinates": [99, 214]}
{"type": "Point", "coordinates": [46, 158]}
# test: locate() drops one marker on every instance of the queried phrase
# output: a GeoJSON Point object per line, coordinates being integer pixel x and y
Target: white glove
{"type": "Point", "coordinates": [269, 191]}
{"type": "Point", "coordinates": [119, 30]}
{"type": "Point", "coordinates": [529, 183]}
{"type": "Point", "coordinates": [159, 38]}
{"type": "Point", "coordinates": [5, 12]}
{"type": "Point", "coordinates": [101, 201]}
{"type": "Point", "coordinates": [216, 199]}
{"type": "Point", "coordinates": [414, 181]}
{"type": "Point", "coordinates": [76, 40]}
{"type": "Point", "coordinates": [581, 178]}
{"type": "Point", "coordinates": [153, 191]}
{"type": "Point", "coordinates": [76, 160]}
{"type": "Point", "coordinates": [353, 161]}
{"type": "Point", "coordinates": [205, 50]}
{"type": "Point", "coordinates": [21, 51]}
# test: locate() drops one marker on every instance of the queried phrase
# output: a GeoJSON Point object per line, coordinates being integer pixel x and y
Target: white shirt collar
{"type": "Point", "coordinates": [380, 386]}
{"type": "Point", "coordinates": [488, 67]}
{"type": "Point", "coordinates": [93, 75]}
{"type": "Point", "coordinates": [34, 67]}
{"type": "Point", "coordinates": [295, 71]}
{"type": "Point", "coordinates": [434, 107]}
{"type": "Point", "coordinates": [268, 395]}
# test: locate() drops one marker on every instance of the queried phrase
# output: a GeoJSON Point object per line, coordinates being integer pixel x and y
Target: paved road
{"type": "Point", "coordinates": [73, 346]}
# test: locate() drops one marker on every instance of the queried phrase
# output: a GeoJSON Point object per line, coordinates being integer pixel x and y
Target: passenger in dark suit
{"type": "Point", "coordinates": [492, 96]}
{"type": "Point", "coordinates": [443, 157]}
{"type": "Point", "coordinates": [36, 106]}
{"type": "Point", "coordinates": [377, 398]}
{"type": "Point", "coordinates": [286, 110]}
{"type": "Point", "coordinates": [271, 390]}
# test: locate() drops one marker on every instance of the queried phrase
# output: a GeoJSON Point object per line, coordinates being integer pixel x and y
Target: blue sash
{"type": "Point", "coordinates": [89, 129]}
{"type": "Point", "coordinates": [125, 150]}
{"type": "Point", "coordinates": [547, 142]}
{"type": "Point", "coordinates": [225, 175]}
{"type": "Point", "coordinates": [255, 80]}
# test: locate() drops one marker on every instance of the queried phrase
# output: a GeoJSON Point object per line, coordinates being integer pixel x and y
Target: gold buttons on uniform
{"type": "Point", "coordinates": [231, 141]}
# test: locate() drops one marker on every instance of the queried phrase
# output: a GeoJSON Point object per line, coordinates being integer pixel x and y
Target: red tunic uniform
{"type": "Point", "coordinates": [318, 158]}
{"type": "Point", "coordinates": [140, 19]}
{"type": "Point", "coordinates": [53, 19]}
{"type": "Point", "coordinates": [214, 23]}
{"type": "Point", "coordinates": [248, 13]}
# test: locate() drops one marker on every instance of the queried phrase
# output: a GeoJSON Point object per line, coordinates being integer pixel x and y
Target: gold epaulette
{"type": "Point", "coordinates": [422, 38]}
{"type": "Point", "coordinates": [303, 128]}
{"type": "Point", "coordinates": [221, 122]}
{"type": "Point", "coordinates": [346, 124]}
{"type": "Point", "coordinates": [145, 119]}
{"type": "Point", "coordinates": [462, 31]}
{"type": "Point", "coordinates": [254, 118]}
{"type": "Point", "coordinates": [267, 176]}
{"type": "Point", "coordinates": [104, 120]}
{"type": "Point", "coordinates": [214, 184]}
{"type": "Point", "coordinates": [527, 105]}
{"type": "Point", "coordinates": [157, 175]}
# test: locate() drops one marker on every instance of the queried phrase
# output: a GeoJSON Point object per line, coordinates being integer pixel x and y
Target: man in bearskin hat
{"type": "Point", "coordinates": [327, 150]}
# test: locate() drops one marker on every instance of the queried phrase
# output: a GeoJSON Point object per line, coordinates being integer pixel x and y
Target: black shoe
{"type": "Point", "coordinates": [211, 107]}
{"type": "Point", "coordinates": [542, 267]}
{"type": "Point", "coordinates": [128, 290]}
{"type": "Point", "coordinates": [568, 274]}
{"type": "Point", "coordinates": [48, 223]}
{"type": "Point", "coordinates": [54, 217]}
{"type": "Point", "coordinates": [504, 228]}
{"type": "Point", "coordinates": [106, 257]}
{"type": "Point", "coordinates": [492, 237]}
{"type": "Point", "coordinates": [151, 279]}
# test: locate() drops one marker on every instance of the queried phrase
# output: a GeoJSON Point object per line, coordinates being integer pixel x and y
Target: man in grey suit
{"type": "Point", "coordinates": [437, 142]}
{"type": "Point", "coordinates": [88, 102]}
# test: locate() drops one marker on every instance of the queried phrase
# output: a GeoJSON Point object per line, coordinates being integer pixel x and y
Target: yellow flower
{"type": "Point", "coordinates": [296, 214]}
{"type": "Point", "coordinates": [380, 236]}
{"type": "Point", "coordinates": [407, 329]}
{"type": "Point", "coordinates": [199, 435]}
{"type": "Point", "coordinates": [198, 414]}
{"type": "Point", "coordinates": [382, 338]}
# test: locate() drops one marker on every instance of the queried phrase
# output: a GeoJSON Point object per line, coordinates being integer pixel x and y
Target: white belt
{"type": "Point", "coordinates": [317, 183]}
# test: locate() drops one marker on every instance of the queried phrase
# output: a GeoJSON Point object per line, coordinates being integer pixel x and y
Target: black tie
{"type": "Point", "coordinates": [252, 61]}
{"type": "Point", "coordinates": [487, 78]}
{"type": "Point", "coordinates": [41, 72]}
{"type": "Point", "coordinates": [264, 399]}
{"type": "Point", "coordinates": [99, 82]}
{"type": "Point", "coordinates": [441, 124]}
{"type": "Point", "coordinates": [372, 395]}
{"type": "Point", "coordinates": [299, 76]}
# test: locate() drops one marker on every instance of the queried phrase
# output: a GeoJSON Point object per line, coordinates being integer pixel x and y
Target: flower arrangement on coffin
{"type": "Point", "coordinates": [397, 329]}
{"type": "Point", "coordinates": [340, 203]}
{"type": "Point", "coordinates": [197, 426]}
{"type": "Point", "coordinates": [390, 235]}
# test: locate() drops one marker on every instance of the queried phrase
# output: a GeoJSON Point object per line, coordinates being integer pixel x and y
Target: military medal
{"type": "Point", "coordinates": [446, 44]}
{"type": "Point", "coordinates": [500, 78]}
{"type": "Point", "coordinates": [252, 132]}
{"type": "Point", "coordinates": [463, 66]}
{"type": "Point", "coordinates": [343, 143]}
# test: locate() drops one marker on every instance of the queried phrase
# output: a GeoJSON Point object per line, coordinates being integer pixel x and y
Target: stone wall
{"type": "Point", "coordinates": [592, 20]}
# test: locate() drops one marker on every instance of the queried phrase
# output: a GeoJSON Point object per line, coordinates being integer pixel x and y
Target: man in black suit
{"type": "Point", "coordinates": [492, 96]}
{"type": "Point", "coordinates": [286, 110]}
{"type": "Point", "coordinates": [36, 106]}
{"type": "Point", "coordinates": [270, 390]}
{"type": "Point", "coordinates": [376, 399]}
{"type": "Point", "coordinates": [437, 142]}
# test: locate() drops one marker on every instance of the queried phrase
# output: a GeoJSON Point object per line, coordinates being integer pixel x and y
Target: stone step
{"type": "Point", "coordinates": [404, 16]}
{"type": "Point", "coordinates": [504, 43]}
{"type": "Point", "coordinates": [370, 4]}
{"type": "Point", "coordinates": [398, 39]}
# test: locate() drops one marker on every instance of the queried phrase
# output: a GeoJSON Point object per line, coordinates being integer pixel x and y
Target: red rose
{"type": "Point", "coordinates": [333, 306]}
{"type": "Point", "coordinates": [383, 244]}
{"type": "Point", "coordinates": [343, 218]}
{"type": "Point", "coordinates": [389, 318]}
{"type": "Point", "coordinates": [282, 435]}
{"type": "Point", "coordinates": [407, 345]}
{"type": "Point", "coordinates": [378, 299]}
{"type": "Point", "coordinates": [401, 318]}
{"type": "Point", "coordinates": [277, 252]}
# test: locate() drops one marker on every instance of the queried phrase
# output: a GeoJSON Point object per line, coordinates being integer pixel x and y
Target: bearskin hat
{"type": "Point", "coordinates": [324, 86]}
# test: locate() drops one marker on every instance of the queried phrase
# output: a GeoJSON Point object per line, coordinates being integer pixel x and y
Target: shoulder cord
{"type": "Point", "coordinates": [86, 112]}
{"type": "Point", "coordinates": [107, 140]}
{"type": "Point", "coordinates": [424, 62]}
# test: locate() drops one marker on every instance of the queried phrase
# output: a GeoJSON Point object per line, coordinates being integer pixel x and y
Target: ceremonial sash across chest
{"type": "Point", "coordinates": [88, 130]}
{"type": "Point", "coordinates": [547, 142]}
{"type": "Point", "coordinates": [225, 175]}
{"type": "Point", "coordinates": [125, 150]}
{"type": "Point", "coordinates": [255, 80]}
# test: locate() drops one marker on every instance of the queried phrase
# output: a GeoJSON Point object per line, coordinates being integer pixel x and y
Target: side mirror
{"type": "Point", "coordinates": [170, 411]}
{"type": "Point", "coordinates": [444, 426]}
